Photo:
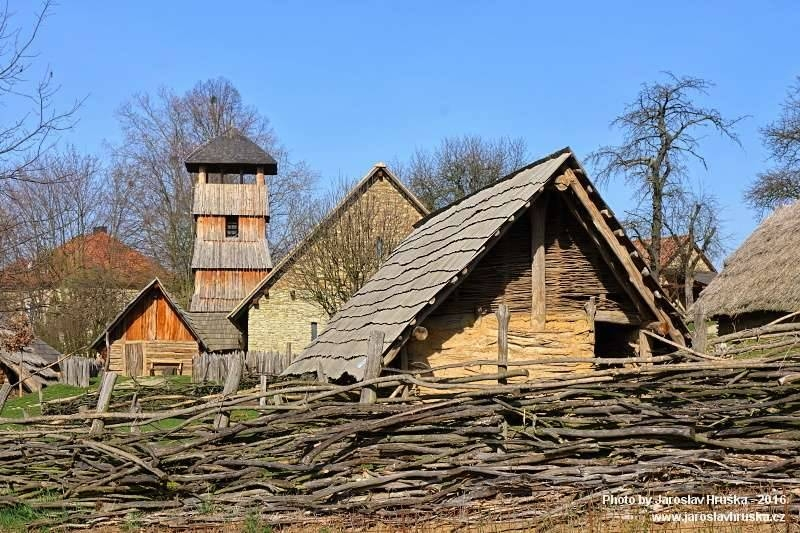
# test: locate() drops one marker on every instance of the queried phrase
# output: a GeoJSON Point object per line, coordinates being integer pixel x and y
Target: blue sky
{"type": "Point", "coordinates": [350, 83]}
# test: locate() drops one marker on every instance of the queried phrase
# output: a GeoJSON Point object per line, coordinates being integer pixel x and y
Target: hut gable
{"type": "Point", "coordinates": [154, 330]}
{"type": "Point", "coordinates": [763, 274]}
{"type": "Point", "coordinates": [275, 312]}
{"type": "Point", "coordinates": [441, 269]}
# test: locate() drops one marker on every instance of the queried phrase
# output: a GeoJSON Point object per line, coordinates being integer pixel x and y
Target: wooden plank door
{"type": "Point", "coordinates": [134, 359]}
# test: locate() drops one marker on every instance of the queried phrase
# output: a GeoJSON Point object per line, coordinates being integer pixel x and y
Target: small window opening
{"type": "Point", "coordinates": [231, 227]}
{"type": "Point", "coordinates": [313, 330]}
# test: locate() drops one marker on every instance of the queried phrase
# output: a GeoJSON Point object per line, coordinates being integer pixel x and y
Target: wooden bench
{"type": "Point", "coordinates": [152, 363]}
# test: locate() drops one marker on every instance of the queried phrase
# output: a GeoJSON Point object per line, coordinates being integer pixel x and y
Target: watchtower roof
{"type": "Point", "coordinates": [231, 152]}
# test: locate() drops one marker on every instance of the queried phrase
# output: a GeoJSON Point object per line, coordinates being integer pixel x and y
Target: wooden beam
{"type": "Point", "coordinates": [503, 318]}
{"type": "Point", "coordinates": [645, 351]}
{"type": "Point", "coordinates": [538, 215]}
{"type": "Point", "coordinates": [202, 177]}
{"type": "Point", "coordinates": [616, 317]}
{"type": "Point", "coordinates": [700, 337]}
{"type": "Point", "coordinates": [591, 312]}
{"type": "Point", "coordinates": [260, 176]}
{"type": "Point", "coordinates": [369, 394]}
{"type": "Point", "coordinates": [621, 252]}
{"type": "Point", "coordinates": [103, 400]}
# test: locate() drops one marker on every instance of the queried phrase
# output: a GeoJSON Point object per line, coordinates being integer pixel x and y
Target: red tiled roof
{"type": "Point", "coordinates": [91, 257]}
{"type": "Point", "coordinates": [670, 246]}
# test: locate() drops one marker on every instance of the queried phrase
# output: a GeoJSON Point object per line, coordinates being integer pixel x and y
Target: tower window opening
{"type": "Point", "coordinates": [231, 227]}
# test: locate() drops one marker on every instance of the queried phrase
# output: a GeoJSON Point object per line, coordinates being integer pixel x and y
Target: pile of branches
{"type": "Point", "coordinates": [515, 452]}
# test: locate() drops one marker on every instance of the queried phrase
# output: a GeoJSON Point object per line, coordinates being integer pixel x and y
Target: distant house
{"type": "Point", "coordinates": [542, 242]}
{"type": "Point", "coordinates": [24, 356]}
{"type": "Point", "coordinates": [760, 281]}
{"type": "Point", "coordinates": [231, 255]}
{"type": "Point", "coordinates": [672, 269]}
{"type": "Point", "coordinates": [278, 311]}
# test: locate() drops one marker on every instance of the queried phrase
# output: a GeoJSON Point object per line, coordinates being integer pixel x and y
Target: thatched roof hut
{"type": "Point", "coordinates": [761, 279]}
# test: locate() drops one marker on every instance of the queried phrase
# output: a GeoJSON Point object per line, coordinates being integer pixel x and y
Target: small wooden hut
{"type": "Point", "coordinates": [153, 333]}
{"type": "Point", "coordinates": [542, 242]}
{"type": "Point", "coordinates": [760, 281]}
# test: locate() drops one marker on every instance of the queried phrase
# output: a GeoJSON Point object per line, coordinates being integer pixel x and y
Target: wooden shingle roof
{"type": "Point", "coordinates": [233, 254]}
{"type": "Point", "coordinates": [231, 151]}
{"type": "Point", "coordinates": [218, 334]}
{"type": "Point", "coordinates": [432, 260]}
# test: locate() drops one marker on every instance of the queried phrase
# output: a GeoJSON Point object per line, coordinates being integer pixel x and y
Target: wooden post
{"type": "Point", "coordinates": [288, 353]}
{"type": "Point", "coordinates": [222, 420]}
{"type": "Point", "coordinates": [321, 373]}
{"type": "Point", "coordinates": [503, 317]}
{"type": "Point", "coordinates": [538, 214]}
{"type": "Point", "coordinates": [644, 346]}
{"type": "Point", "coordinates": [107, 362]}
{"type": "Point", "coordinates": [104, 398]}
{"type": "Point", "coordinates": [21, 368]}
{"type": "Point", "coordinates": [700, 336]}
{"type": "Point", "coordinates": [262, 387]}
{"type": "Point", "coordinates": [201, 175]}
{"type": "Point", "coordinates": [259, 175]}
{"type": "Point", "coordinates": [403, 358]}
{"type": "Point", "coordinates": [5, 390]}
{"type": "Point", "coordinates": [135, 408]}
{"type": "Point", "coordinates": [369, 394]}
{"type": "Point", "coordinates": [591, 311]}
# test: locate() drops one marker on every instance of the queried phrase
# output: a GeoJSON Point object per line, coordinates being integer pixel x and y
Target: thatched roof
{"type": "Point", "coordinates": [764, 273]}
{"type": "Point", "coordinates": [378, 171]}
{"type": "Point", "coordinates": [414, 279]}
{"type": "Point", "coordinates": [231, 152]}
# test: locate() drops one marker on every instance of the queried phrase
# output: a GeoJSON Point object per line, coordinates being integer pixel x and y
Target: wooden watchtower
{"type": "Point", "coordinates": [231, 213]}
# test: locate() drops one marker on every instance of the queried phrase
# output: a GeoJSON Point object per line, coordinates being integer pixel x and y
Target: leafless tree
{"type": "Point", "coordinates": [460, 166]}
{"type": "Point", "coordinates": [30, 122]}
{"type": "Point", "coordinates": [780, 185]}
{"type": "Point", "coordinates": [344, 246]}
{"type": "Point", "coordinates": [661, 134]}
{"type": "Point", "coordinates": [159, 130]}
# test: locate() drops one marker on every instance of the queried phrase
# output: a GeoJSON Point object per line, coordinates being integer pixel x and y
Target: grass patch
{"type": "Point", "coordinates": [17, 407]}
{"type": "Point", "coordinates": [17, 517]}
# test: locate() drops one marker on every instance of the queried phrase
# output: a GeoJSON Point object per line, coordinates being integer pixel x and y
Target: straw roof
{"type": "Point", "coordinates": [764, 273]}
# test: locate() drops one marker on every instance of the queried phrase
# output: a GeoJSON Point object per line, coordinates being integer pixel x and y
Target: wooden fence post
{"type": "Point", "coordinates": [104, 398]}
{"type": "Point", "coordinates": [369, 394]}
{"type": "Point", "coordinates": [700, 337]}
{"type": "Point", "coordinates": [503, 317]}
{"type": "Point", "coordinates": [135, 409]}
{"type": "Point", "coordinates": [262, 387]}
{"type": "Point", "coordinates": [5, 390]}
{"type": "Point", "coordinates": [231, 386]}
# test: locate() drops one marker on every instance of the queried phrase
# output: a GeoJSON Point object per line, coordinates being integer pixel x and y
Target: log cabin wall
{"type": "Point", "coordinates": [153, 327]}
{"type": "Point", "coordinates": [464, 327]}
{"type": "Point", "coordinates": [217, 290]}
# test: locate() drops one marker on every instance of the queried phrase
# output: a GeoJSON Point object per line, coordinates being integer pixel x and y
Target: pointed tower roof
{"type": "Point", "coordinates": [231, 152]}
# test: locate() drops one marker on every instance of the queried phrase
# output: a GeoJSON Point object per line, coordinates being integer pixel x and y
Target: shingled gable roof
{"type": "Point", "coordinates": [436, 257]}
{"type": "Point", "coordinates": [213, 331]}
{"type": "Point", "coordinates": [379, 170]}
{"type": "Point", "coordinates": [228, 150]}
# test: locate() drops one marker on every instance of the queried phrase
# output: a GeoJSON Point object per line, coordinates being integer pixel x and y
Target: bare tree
{"type": "Point", "coordinates": [693, 223]}
{"type": "Point", "coordinates": [661, 134]}
{"type": "Point", "coordinates": [345, 246]}
{"type": "Point", "coordinates": [29, 122]}
{"type": "Point", "coordinates": [159, 131]}
{"type": "Point", "coordinates": [781, 184]}
{"type": "Point", "coordinates": [460, 166]}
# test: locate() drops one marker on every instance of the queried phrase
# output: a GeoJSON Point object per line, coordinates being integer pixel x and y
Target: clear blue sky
{"type": "Point", "coordinates": [350, 83]}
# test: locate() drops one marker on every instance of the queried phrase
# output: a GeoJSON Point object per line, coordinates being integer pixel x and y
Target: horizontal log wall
{"type": "Point", "coordinates": [177, 351]}
{"type": "Point", "coordinates": [212, 228]}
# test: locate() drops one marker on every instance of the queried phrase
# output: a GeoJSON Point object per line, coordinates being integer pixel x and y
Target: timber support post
{"type": "Point", "coordinates": [262, 388]}
{"type": "Point", "coordinates": [645, 350]}
{"type": "Point", "coordinates": [369, 394]}
{"type": "Point", "coordinates": [235, 364]}
{"type": "Point", "coordinates": [538, 215]}
{"type": "Point", "coordinates": [700, 335]}
{"type": "Point", "coordinates": [591, 312]}
{"type": "Point", "coordinates": [5, 390]}
{"type": "Point", "coordinates": [503, 317]}
{"type": "Point", "coordinates": [103, 400]}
